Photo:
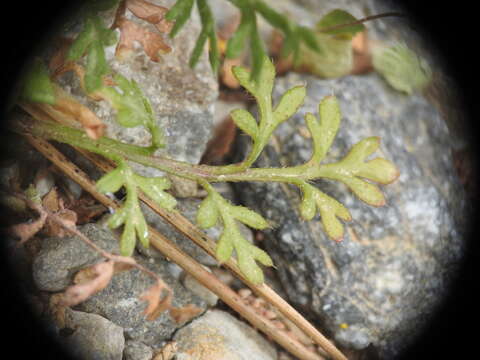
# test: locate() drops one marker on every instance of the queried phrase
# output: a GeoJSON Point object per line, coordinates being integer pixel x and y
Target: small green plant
{"type": "Point", "coordinates": [353, 170]}
{"type": "Point", "coordinates": [246, 31]}
{"type": "Point", "coordinates": [134, 109]}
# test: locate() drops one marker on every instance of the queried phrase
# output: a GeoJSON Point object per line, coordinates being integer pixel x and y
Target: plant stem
{"type": "Point", "coordinates": [117, 151]}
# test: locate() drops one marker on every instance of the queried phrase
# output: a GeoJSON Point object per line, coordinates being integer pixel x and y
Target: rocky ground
{"type": "Point", "coordinates": [372, 294]}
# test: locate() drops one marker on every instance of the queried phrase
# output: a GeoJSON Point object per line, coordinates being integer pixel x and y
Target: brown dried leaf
{"type": "Point", "coordinates": [27, 230]}
{"type": "Point", "coordinates": [184, 314]}
{"type": "Point", "coordinates": [51, 201]}
{"type": "Point", "coordinates": [152, 13]}
{"type": "Point", "coordinates": [156, 305]}
{"type": "Point", "coordinates": [100, 274]}
{"type": "Point", "coordinates": [69, 106]}
{"type": "Point", "coordinates": [68, 217]}
{"type": "Point", "coordinates": [57, 309]}
{"type": "Point", "coordinates": [152, 42]}
{"type": "Point", "coordinates": [362, 56]}
{"type": "Point", "coordinates": [226, 74]}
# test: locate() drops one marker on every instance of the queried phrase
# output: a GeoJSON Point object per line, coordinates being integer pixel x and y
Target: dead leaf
{"type": "Point", "coordinates": [362, 56]}
{"type": "Point", "coordinates": [79, 113]}
{"type": "Point", "coordinates": [184, 314]}
{"type": "Point", "coordinates": [100, 275]}
{"type": "Point", "coordinates": [152, 13]}
{"type": "Point", "coordinates": [226, 74]}
{"type": "Point", "coordinates": [51, 201]}
{"type": "Point", "coordinates": [57, 309]}
{"type": "Point", "coordinates": [68, 217]}
{"type": "Point", "coordinates": [156, 304]}
{"type": "Point", "coordinates": [152, 42]}
{"type": "Point", "coordinates": [27, 230]}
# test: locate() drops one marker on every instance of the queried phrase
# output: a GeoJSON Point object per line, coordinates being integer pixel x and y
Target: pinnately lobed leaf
{"type": "Point", "coordinates": [289, 103]}
{"type": "Point", "coordinates": [245, 122]}
{"type": "Point", "coordinates": [324, 131]}
{"type": "Point", "coordinates": [249, 217]}
{"type": "Point", "coordinates": [111, 182]}
{"type": "Point", "coordinates": [224, 247]}
{"type": "Point", "coordinates": [207, 215]}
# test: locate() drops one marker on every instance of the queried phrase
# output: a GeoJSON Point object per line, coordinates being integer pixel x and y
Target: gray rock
{"type": "Point", "coordinates": [93, 337]}
{"type": "Point", "coordinates": [382, 283]}
{"type": "Point", "coordinates": [198, 289]}
{"type": "Point", "coordinates": [120, 303]}
{"type": "Point", "coordinates": [135, 350]}
{"type": "Point", "coordinates": [182, 98]}
{"type": "Point", "coordinates": [218, 335]}
{"type": "Point", "coordinates": [60, 258]}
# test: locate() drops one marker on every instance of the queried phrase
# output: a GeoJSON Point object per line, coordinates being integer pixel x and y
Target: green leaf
{"type": "Point", "coordinates": [198, 49]}
{"type": "Point", "coordinates": [207, 215]}
{"type": "Point", "coordinates": [153, 188]}
{"type": "Point", "coordinates": [261, 256]}
{"type": "Point", "coordinates": [379, 170]}
{"type": "Point", "coordinates": [248, 266]}
{"type": "Point", "coordinates": [37, 86]}
{"type": "Point", "coordinates": [127, 240]}
{"type": "Point", "coordinates": [289, 103]}
{"type": "Point", "coordinates": [309, 38]}
{"type": "Point", "coordinates": [93, 38]}
{"type": "Point", "coordinates": [237, 42]}
{"type": "Point", "coordinates": [133, 108]}
{"type": "Point", "coordinates": [330, 210]}
{"type": "Point", "coordinates": [118, 218]}
{"type": "Point", "coordinates": [274, 18]}
{"type": "Point", "coordinates": [141, 227]}
{"type": "Point", "coordinates": [308, 206]}
{"type": "Point", "coordinates": [258, 55]}
{"type": "Point", "coordinates": [224, 248]}
{"type": "Point", "coordinates": [339, 17]}
{"type": "Point", "coordinates": [249, 217]}
{"type": "Point", "coordinates": [111, 182]}
{"type": "Point", "coordinates": [245, 121]}
{"type": "Point", "coordinates": [402, 68]}
{"type": "Point", "coordinates": [362, 150]}
{"type": "Point", "coordinates": [264, 85]}
{"type": "Point", "coordinates": [324, 131]}
{"type": "Point", "coordinates": [365, 191]}
{"type": "Point", "coordinates": [180, 12]}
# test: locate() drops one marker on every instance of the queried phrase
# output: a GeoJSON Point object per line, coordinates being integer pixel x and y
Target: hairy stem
{"type": "Point", "coordinates": [117, 151]}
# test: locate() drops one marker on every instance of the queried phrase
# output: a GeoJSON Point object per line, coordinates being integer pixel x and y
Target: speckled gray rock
{"type": "Point", "coordinates": [135, 350]}
{"type": "Point", "coordinates": [188, 208]}
{"type": "Point", "coordinates": [182, 98]}
{"type": "Point", "coordinates": [218, 335]}
{"type": "Point", "coordinates": [381, 284]}
{"type": "Point", "coordinates": [93, 337]}
{"type": "Point", "coordinates": [60, 258]}
{"type": "Point", "coordinates": [119, 302]}
{"type": "Point", "coordinates": [198, 289]}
